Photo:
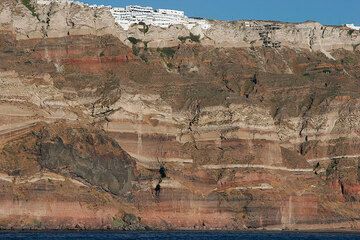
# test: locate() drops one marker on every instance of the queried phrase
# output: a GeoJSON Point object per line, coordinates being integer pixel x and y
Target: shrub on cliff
{"type": "Point", "coordinates": [182, 38]}
{"type": "Point", "coordinates": [167, 52]}
{"type": "Point", "coordinates": [135, 50]}
{"type": "Point", "coordinates": [134, 40]}
{"type": "Point", "coordinates": [195, 38]}
{"type": "Point", "coordinates": [191, 37]}
{"type": "Point", "coordinates": [145, 28]}
{"type": "Point", "coordinates": [31, 8]}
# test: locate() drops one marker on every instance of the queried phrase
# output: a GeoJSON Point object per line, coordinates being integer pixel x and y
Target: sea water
{"type": "Point", "coordinates": [185, 235]}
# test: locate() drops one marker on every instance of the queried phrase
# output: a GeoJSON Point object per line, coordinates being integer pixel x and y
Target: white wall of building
{"type": "Point", "coordinates": [352, 26]}
{"type": "Point", "coordinates": [125, 17]}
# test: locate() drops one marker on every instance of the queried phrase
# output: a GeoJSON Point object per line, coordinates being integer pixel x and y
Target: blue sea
{"type": "Point", "coordinates": [179, 235]}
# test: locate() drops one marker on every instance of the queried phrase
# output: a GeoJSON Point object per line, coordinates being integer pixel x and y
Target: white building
{"type": "Point", "coordinates": [164, 18]}
{"type": "Point", "coordinates": [352, 26]}
{"type": "Point", "coordinates": [134, 14]}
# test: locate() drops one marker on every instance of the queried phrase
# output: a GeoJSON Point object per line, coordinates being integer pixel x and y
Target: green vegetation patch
{"type": "Point", "coordinates": [146, 46]}
{"type": "Point", "coordinates": [195, 38]}
{"type": "Point", "coordinates": [145, 28]}
{"type": "Point", "coordinates": [136, 50]}
{"type": "Point", "coordinates": [191, 37]}
{"type": "Point", "coordinates": [247, 88]}
{"type": "Point", "coordinates": [183, 39]}
{"type": "Point", "coordinates": [134, 40]}
{"type": "Point", "coordinates": [306, 74]}
{"type": "Point", "coordinates": [37, 224]}
{"type": "Point", "coordinates": [170, 65]}
{"type": "Point", "coordinates": [118, 223]}
{"type": "Point", "coordinates": [31, 8]}
{"type": "Point", "coordinates": [144, 58]}
{"type": "Point", "coordinates": [167, 52]}
{"type": "Point", "coordinates": [332, 167]}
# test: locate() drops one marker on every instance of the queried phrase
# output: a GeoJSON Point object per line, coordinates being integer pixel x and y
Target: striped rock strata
{"type": "Point", "coordinates": [225, 132]}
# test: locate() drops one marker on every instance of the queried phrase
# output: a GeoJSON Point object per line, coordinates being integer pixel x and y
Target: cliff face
{"type": "Point", "coordinates": [61, 20]}
{"type": "Point", "coordinates": [244, 125]}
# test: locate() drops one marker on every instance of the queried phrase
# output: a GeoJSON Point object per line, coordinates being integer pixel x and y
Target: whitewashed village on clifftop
{"type": "Point", "coordinates": [134, 14]}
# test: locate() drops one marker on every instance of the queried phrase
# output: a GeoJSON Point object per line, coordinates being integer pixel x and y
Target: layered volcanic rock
{"type": "Point", "coordinates": [63, 176]}
{"type": "Point", "coordinates": [246, 125]}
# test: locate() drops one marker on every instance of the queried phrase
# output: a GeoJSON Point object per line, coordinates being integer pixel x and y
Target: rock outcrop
{"type": "Point", "coordinates": [246, 125]}
{"type": "Point", "coordinates": [63, 176]}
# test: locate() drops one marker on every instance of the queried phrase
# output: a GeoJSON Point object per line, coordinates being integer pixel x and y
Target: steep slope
{"type": "Point", "coordinates": [63, 176]}
{"type": "Point", "coordinates": [220, 130]}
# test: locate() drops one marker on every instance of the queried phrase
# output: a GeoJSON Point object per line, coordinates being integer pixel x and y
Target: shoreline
{"type": "Point", "coordinates": [335, 231]}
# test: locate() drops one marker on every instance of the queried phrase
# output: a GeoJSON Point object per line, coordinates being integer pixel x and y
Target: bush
{"type": "Point", "coordinates": [118, 224]}
{"type": "Point", "coordinates": [135, 50]}
{"type": "Point", "coordinates": [170, 65]}
{"type": "Point", "coordinates": [167, 52]}
{"type": "Point", "coordinates": [144, 58]}
{"type": "Point", "coordinates": [146, 46]}
{"type": "Point", "coordinates": [191, 37]}
{"type": "Point", "coordinates": [332, 167]}
{"type": "Point", "coordinates": [194, 38]}
{"type": "Point", "coordinates": [183, 39]}
{"type": "Point", "coordinates": [134, 40]}
{"type": "Point", "coordinates": [247, 88]}
{"type": "Point", "coordinates": [145, 28]}
{"type": "Point", "coordinates": [350, 32]}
